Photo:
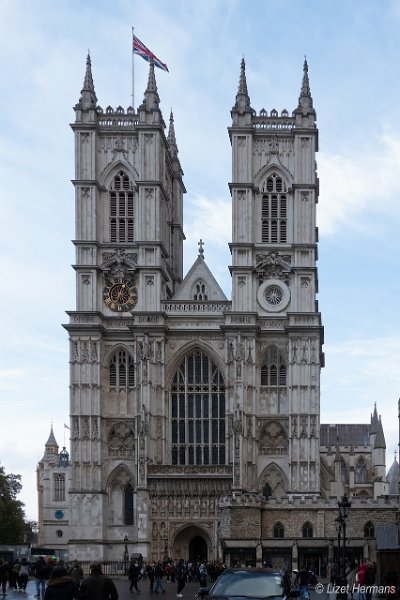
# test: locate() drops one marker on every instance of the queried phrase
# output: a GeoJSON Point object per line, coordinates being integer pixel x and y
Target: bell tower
{"type": "Point", "coordinates": [274, 193]}
{"type": "Point", "coordinates": [129, 250]}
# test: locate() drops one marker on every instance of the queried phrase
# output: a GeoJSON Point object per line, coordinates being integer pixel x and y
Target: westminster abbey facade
{"type": "Point", "coordinates": [195, 419]}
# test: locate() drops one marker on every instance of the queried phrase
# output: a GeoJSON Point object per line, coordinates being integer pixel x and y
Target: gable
{"type": "Point", "coordinates": [199, 285]}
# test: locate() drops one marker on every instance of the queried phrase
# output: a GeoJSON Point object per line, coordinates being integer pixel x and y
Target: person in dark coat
{"type": "Point", "coordinates": [61, 586]}
{"type": "Point", "coordinates": [97, 586]}
{"type": "Point", "coordinates": [133, 575]}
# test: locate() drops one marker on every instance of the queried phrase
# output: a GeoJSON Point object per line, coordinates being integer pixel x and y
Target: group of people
{"type": "Point", "coordinates": [54, 581]}
{"type": "Point", "coordinates": [15, 574]}
{"type": "Point", "coordinates": [179, 572]}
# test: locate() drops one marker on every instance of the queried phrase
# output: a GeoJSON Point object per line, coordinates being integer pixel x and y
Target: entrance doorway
{"type": "Point", "coordinates": [198, 549]}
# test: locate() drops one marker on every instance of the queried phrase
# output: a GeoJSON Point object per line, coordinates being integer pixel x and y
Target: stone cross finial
{"type": "Point", "coordinates": [201, 248]}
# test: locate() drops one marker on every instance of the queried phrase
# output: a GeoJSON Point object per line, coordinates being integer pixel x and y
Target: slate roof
{"type": "Point", "coordinates": [352, 434]}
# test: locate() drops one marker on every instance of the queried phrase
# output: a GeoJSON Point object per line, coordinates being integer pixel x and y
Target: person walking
{"type": "Point", "coordinates": [302, 579]}
{"type": "Point", "coordinates": [150, 575]}
{"type": "Point", "coordinates": [23, 574]}
{"type": "Point", "coordinates": [158, 576]}
{"type": "Point", "coordinates": [61, 586]}
{"type": "Point", "coordinates": [41, 571]}
{"type": "Point", "coordinates": [133, 575]}
{"type": "Point", "coordinates": [4, 568]}
{"type": "Point", "coordinates": [180, 574]}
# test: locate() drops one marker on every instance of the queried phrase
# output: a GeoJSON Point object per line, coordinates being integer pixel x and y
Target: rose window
{"type": "Point", "coordinates": [273, 295]}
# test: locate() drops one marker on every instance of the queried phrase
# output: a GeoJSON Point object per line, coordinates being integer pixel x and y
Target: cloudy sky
{"type": "Point", "coordinates": [353, 51]}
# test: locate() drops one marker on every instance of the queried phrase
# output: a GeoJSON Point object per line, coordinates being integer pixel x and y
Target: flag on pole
{"type": "Point", "coordinates": [139, 48]}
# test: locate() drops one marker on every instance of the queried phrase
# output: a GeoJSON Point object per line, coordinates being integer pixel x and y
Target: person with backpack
{"type": "Point", "coordinates": [133, 575]}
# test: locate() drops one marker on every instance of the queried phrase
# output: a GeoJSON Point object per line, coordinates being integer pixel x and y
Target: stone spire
{"type": "Point", "coordinates": [51, 446]}
{"type": "Point", "coordinates": [151, 98]}
{"type": "Point", "coordinates": [380, 436]}
{"type": "Point", "coordinates": [374, 421]}
{"type": "Point", "coordinates": [171, 136]}
{"type": "Point", "coordinates": [88, 97]}
{"type": "Point", "coordinates": [305, 106]}
{"type": "Point", "coordinates": [242, 103]}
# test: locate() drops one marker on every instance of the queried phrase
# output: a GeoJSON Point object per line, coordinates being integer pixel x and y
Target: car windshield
{"type": "Point", "coordinates": [246, 583]}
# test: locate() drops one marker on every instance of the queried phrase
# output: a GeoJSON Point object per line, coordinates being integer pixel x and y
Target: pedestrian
{"type": "Point", "coordinates": [41, 572]}
{"type": "Point", "coordinates": [302, 579]}
{"type": "Point", "coordinates": [133, 575]}
{"type": "Point", "coordinates": [76, 573]}
{"type": "Point", "coordinates": [180, 574]}
{"type": "Point", "coordinates": [158, 576]}
{"type": "Point", "coordinates": [4, 567]}
{"type": "Point", "coordinates": [150, 575]}
{"type": "Point", "coordinates": [351, 573]}
{"type": "Point", "coordinates": [23, 574]}
{"type": "Point", "coordinates": [61, 586]}
{"type": "Point", "coordinates": [97, 586]}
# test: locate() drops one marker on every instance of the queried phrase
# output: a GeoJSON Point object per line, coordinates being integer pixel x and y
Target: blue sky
{"type": "Point", "coordinates": [353, 51]}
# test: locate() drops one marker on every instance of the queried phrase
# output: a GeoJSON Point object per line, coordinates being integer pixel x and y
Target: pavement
{"type": "Point", "coordinates": [321, 592]}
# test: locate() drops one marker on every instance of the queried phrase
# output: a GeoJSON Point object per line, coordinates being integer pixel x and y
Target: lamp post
{"type": "Point", "coordinates": [126, 554]}
{"type": "Point", "coordinates": [340, 523]}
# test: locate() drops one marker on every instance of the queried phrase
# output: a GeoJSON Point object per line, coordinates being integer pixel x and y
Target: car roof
{"type": "Point", "coordinates": [254, 570]}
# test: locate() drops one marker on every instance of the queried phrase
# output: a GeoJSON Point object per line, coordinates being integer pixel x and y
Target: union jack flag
{"type": "Point", "coordinates": [139, 48]}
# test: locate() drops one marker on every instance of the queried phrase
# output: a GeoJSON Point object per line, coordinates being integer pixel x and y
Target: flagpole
{"type": "Point", "coordinates": [133, 73]}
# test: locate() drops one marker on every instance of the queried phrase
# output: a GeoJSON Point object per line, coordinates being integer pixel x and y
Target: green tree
{"type": "Point", "coordinates": [13, 525]}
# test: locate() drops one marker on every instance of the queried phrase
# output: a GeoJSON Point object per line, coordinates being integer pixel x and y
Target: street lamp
{"type": "Point", "coordinates": [126, 553]}
{"type": "Point", "coordinates": [340, 524]}
{"type": "Point", "coordinates": [344, 506]}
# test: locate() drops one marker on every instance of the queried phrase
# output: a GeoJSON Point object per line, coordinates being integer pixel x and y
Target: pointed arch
{"type": "Point", "coordinates": [273, 482]}
{"type": "Point", "coordinates": [108, 174]}
{"type": "Point", "coordinates": [273, 167]}
{"type": "Point", "coordinates": [274, 184]}
{"type": "Point", "coordinates": [361, 470]}
{"type": "Point", "coordinates": [200, 291]}
{"type": "Point", "coordinates": [307, 530]}
{"type": "Point", "coordinates": [187, 348]}
{"type": "Point", "coordinates": [197, 410]}
{"type": "Point", "coordinates": [278, 530]}
{"type": "Point", "coordinates": [120, 488]}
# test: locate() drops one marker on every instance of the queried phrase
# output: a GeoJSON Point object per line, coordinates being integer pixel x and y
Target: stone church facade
{"type": "Point", "coordinates": [195, 419]}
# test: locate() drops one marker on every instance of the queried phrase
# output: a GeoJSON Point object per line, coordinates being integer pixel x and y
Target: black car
{"type": "Point", "coordinates": [248, 584]}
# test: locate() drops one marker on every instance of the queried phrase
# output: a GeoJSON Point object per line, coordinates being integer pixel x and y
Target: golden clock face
{"type": "Point", "coordinates": [120, 295]}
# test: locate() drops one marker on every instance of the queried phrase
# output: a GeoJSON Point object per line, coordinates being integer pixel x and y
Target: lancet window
{"type": "Point", "coordinates": [361, 471]}
{"type": "Point", "coordinates": [274, 211]}
{"type": "Point", "coordinates": [128, 505]}
{"type": "Point", "coordinates": [273, 371]}
{"type": "Point", "coordinates": [59, 487]}
{"type": "Point", "coordinates": [198, 412]}
{"type": "Point", "coordinates": [122, 371]}
{"type": "Point", "coordinates": [121, 197]}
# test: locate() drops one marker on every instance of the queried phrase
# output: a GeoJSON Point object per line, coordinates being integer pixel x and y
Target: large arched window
{"type": "Point", "coordinates": [128, 505]}
{"type": "Point", "coordinates": [198, 412]}
{"type": "Point", "coordinates": [122, 371]}
{"type": "Point", "coordinates": [121, 209]}
{"type": "Point", "coordinates": [59, 487]}
{"type": "Point", "coordinates": [274, 210]}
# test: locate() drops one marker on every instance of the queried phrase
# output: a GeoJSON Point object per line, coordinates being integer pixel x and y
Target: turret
{"type": "Point", "coordinates": [85, 109]}
{"type": "Point", "coordinates": [149, 111]}
{"type": "Point", "coordinates": [305, 113]}
{"type": "Point", "coordinates": [51, 446]}
{"type": "Point", "coordinates": [242, 111]}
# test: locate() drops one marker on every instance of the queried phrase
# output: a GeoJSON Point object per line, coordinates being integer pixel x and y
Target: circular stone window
{"type": "Point", "coordinates": [273, 295]}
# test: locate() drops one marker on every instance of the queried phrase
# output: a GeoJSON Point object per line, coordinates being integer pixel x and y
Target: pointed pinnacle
{"type": "Point", "coordinates": [88, 81]}
{"type": "Point", "coordinates": [151, 83]}
{"type": "Point", "coordinates": [171, 134]}
{"type": "Point", "coordinates": [305, 87]}
{"type": "Point", "coordinates": [242, 79]}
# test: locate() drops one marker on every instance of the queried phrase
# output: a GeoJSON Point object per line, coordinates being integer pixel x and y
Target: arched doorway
{"type": "Point", "coordinates": [198, 550]}
{"type": "Point", "coordinates": [193, 543]}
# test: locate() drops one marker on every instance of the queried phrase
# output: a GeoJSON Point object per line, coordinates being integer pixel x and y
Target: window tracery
{"type": "Point", "coordinates": [121, 197]}
{"type": "Point", "coordinates": [198, 412]}
{"type": "Point", "coordinates": [274, 210]}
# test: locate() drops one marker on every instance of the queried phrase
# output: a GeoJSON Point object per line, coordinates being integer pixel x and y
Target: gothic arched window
{"type": "Point", "coordinates": [122, 371]}
{"type": "Point", "coordinates": [200, 292]}
{"type": "Point", "coordinates": [198, 412]}
{"type": "Point", "coordinates": [279, 530]}
{"type": "Point", "coordinates": [369, 530]}
{"type": "Point", "coordinates": [121, 197]}
{"type": "Point", "coordinates": [274, 210]}
{"type": "Point", "coordinates": [128, 505]}
{"type": "Point", "coordinates": [307, 530]}
{"type": "Point", "coordinates": [59, 487]}
{"type": "Point", "coordinates": [267, 491]}
{"type": "Point", "coordinates": [361, 471]}
{"type": "Point", "coordinates": [274, 373]}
